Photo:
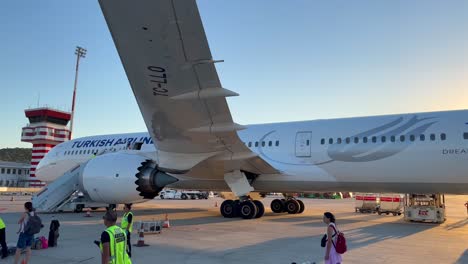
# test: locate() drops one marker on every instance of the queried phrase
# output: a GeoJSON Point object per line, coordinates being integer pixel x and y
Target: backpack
{"type": "Point", "coordinates": [44, 242]}
{"type": "Point", "coordinates": [34, 225]}
{"type": "Point", "coordinates": [340, 246]}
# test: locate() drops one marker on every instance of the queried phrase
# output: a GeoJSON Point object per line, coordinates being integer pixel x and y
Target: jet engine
{"type": "Point", "coordinates": [122, 177]}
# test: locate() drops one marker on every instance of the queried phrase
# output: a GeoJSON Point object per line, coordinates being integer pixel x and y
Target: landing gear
{"type": "Point", "coordinates": [260, 209]}
{"type": "Point", "coordinates": [228, 209]}
{"type": "Point", "coordinates": [301, 203]}
{"type": "Point", "coordinates": [277, 206]}
{"type": "Point", "coordinates": [291, 206]}
{"type": "Point", "coordinates": [247, 209]}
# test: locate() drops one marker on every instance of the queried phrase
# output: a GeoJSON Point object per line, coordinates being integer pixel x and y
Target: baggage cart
{"type": "Point", "coordinates": [366, 202]}
{"type": "Point", "coordinates": [391, 203]}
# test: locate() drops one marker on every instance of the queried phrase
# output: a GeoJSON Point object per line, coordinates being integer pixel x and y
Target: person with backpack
{"type": "Point", "coordinates": [332, 245]}
{"type": "Point", "coordinates": [30, 224]}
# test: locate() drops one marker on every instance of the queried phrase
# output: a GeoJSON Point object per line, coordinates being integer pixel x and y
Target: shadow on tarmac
{"type": "Point", "coordinates": [463, 258]}
{"type": "Point", "coordinates": [458, 224]}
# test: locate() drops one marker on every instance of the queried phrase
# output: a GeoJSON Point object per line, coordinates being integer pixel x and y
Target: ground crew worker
{"type": "Point", "coordinates": [113, 242]}
{"type": "Point", "coordinates": [3, 239]}
{"type": "Point", "coordinates": [127, 226]}
{"type": "Point", "coordinates": [466, 205]}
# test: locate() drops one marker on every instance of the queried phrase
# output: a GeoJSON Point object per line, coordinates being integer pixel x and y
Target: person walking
{"type": "Point", "coordinates": [331, 256]}
{"type": "Point", "coordinates": [466, 205]}
{"type": "Point", "coordinates": [24, 240]}
{"type": "Point", "coordinates": [3, 239]}
{"type": "Point", "coordinates": [127, 226]}
{"type": "Point", "coordinates": [113, 242]}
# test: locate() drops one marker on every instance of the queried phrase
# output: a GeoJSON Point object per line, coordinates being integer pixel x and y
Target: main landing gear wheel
{"type": "Point", "coordinates": [260, 208]}
{"type": "Point", "coordinates": [277, 206]}
{"type": "Point", "coordinates": [228, 209]}
{"type": "Point", "coordinates": [292, 206]}
{"type": "Point", "coordinates": [302, 206]}
{"type": "Point", "coordinates": [248, 210]}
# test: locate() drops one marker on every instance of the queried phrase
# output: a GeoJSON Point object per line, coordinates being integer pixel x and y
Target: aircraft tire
{"type": "Point", "coordinates": [277, 206]}
{"type": "Point", "coordinates": [228, 209]}
{"type": "Point", "coordinates": [248, 210]}
{"type": "Point", "coordinates": [292, 206]}
{"type": "Point", "coordinates": [302, 206]}
{"type": "Point", "coordinates": [260, 209]}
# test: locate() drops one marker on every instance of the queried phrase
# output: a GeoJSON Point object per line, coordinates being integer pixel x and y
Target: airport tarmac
{"type": "Point", "coordinates": [198, 234]}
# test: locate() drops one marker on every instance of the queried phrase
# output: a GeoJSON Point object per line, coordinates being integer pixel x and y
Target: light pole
{"type": "Point", "coordinates": [80, 53]}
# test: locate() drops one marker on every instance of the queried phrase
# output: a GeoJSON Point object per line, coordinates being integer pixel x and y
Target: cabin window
{"type": "Point", "coordinates": [263, 143]}
{"type": "Point", "coordinates": [250, 144]}
{"type": "Point", "coordinates": [338, 140]}
{"type": "Point", "coordinates": [308, 142]}
{"type": "Point", "coordinates": [465, 135]}
{"type": "Point", "coordinates": [433, 137]}
{"type": "Point", "coordinates": [277, 143]}
{"type": "Point", "coordinates": [330, 141]}
{"type": "Point", "coordinates": [412, 138]}
{"type": "Point", "coordinates": [422, 137]}
{"type": "Point", "coordinates": [443, 136]}
{"type": "Point", "coordinates": [383, 139]}
{"type": "Point", "coordinates": [270, 143]}
{"type": "Point", "coordinates": [322, 141]}
{"type": "Point", "coordinates": [356, 140]}
{"type": "Point", "coordinates": [348, 140]}
{"type": "Point", "coordinates": [392, 138]}
{"type": "Point", "coordinates": [374, 139]}
{"type": "Point", "coordinates": [364, 140]}
{"type": "Point", "coordinates": [402, 138]}
{"type": "Point", "coordinates": [256, 143]}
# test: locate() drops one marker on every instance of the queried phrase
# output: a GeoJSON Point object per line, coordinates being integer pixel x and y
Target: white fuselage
{"type": "Point", "coordinates": [417, 153]}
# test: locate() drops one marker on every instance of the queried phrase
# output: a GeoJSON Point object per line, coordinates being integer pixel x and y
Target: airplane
{"type": "Point", "coordinates": [192, 141]}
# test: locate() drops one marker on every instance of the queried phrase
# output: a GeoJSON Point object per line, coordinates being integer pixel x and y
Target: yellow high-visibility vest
{"type": "Point", "coordinates": [125, 222]}
{"type": "Point", "coordinates": [117, 246]}
{"type": "Point", "coordinates": [2, 224]}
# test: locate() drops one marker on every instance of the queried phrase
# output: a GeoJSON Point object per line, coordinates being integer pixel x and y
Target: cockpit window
{"type": "Point", "coordinates": [465, 135]}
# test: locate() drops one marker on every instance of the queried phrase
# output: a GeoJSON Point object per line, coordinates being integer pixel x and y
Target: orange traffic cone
{"type": "Point", "coordinates": [166, 222]}
{"type": "Point", "coordinates": [141, 238]}
{"type": "Point", "coordinates": [88, 213]}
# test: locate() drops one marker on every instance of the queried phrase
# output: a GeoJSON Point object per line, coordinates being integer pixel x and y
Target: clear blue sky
{"type": "Point", "coordinates": [289, 60]}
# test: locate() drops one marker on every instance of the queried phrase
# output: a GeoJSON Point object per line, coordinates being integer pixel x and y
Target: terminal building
{"type": "Point", "coordinates": [14, 174]}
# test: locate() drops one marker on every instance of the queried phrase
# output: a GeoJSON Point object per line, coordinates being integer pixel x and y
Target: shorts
{"type": "Point", "coordinates": [24, 241]}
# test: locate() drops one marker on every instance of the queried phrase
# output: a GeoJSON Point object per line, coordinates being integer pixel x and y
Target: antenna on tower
{"type": "Point", "coordinates": [38, 98]}
{"type": "Point", "coordinates": [80, 53]}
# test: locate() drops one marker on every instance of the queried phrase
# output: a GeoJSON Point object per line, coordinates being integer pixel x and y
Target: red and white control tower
{"type": "Point", "coordinates": [47, 128]}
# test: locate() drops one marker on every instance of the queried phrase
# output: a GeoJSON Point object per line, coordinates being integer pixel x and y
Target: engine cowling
{"type": "Point", "coordinates": [122, 178]}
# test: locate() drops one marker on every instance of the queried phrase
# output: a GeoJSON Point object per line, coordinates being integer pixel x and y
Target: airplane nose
{"type": "Point", "coordinates": [40, 168]}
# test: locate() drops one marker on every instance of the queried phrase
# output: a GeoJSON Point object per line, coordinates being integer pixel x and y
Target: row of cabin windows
{"type": "Point", "coordinates": [13, 171]}
{"type": "Point", "coordinates": [91, 151]}
{"type": "Point", "coordinates": [384, 139]}
{"type": "Point", "coordinates": [263, 143]}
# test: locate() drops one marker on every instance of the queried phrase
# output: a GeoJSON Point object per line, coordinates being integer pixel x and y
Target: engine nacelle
{"type": "Point", "coordinates": [123, 178]}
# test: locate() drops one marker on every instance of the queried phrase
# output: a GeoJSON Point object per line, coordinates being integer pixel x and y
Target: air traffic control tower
{"type": "Point", "coordinates": [47, 128]}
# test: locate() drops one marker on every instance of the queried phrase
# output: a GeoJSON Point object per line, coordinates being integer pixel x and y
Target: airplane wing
{"type": "Point", "coordinates": [166, 57]}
